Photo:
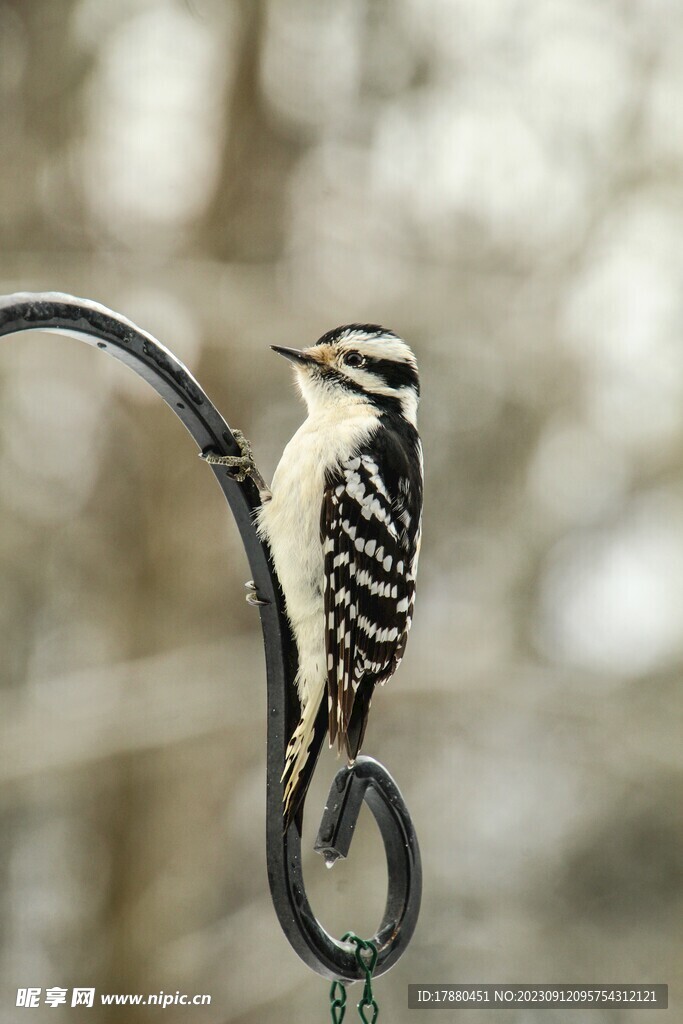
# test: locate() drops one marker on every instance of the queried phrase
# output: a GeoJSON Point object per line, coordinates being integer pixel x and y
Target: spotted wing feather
{"type": "Point", "coordinates": [370, 532]}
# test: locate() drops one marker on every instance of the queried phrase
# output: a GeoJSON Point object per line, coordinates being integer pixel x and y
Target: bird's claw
{"type": "Point", "coordinates": [253, 597]}
{"type": "Point", "coordinates": [239, 466]}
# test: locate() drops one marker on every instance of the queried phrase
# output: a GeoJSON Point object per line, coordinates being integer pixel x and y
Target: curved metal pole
{"type": "Point", "coordinates": [367, 780]}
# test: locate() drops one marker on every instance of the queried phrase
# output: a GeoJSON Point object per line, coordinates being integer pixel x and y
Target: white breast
{"type": "Point", "coordinates": [290, 522]}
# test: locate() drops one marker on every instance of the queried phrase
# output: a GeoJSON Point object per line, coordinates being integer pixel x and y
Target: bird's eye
{"type": "Point", "coordinates": [354, 359]}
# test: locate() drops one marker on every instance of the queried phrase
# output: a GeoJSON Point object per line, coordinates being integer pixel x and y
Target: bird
{"type": "Point", "coordinates": [343, 522]}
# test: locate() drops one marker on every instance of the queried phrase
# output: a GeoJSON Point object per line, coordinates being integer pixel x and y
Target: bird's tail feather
{"type": "Point", "coordinates": [355, 732]}
{"type": "Point", "coordinates": [302, 755]}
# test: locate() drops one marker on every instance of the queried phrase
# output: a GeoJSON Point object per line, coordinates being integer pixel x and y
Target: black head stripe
{"type": "Point", "coordinates": [395, 373]}
{"type": "Point", "coordinates": [332, 376]}
{"type": "Point", "coordinates": [384, 403]}
{"type": "Point", "coordinates": [372, 330]}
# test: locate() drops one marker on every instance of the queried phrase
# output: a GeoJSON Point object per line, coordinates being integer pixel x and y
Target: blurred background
{"type": "Point", "coordinates": [501, 183]}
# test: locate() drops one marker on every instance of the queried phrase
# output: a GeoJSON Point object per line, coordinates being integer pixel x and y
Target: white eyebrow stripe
{"type": "Point", "coordinates": [383, 347]}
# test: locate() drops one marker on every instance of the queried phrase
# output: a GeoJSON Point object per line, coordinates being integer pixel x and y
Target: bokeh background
{"type": "Point", "coordinates": [502, 184]}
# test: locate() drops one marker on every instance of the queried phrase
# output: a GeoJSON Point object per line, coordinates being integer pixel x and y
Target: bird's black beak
{"type": "Point", "coordinates": [294, 354]}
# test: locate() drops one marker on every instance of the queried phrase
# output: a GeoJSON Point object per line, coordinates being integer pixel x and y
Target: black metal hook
{"type": "Point", "coordinates": [367, 780]}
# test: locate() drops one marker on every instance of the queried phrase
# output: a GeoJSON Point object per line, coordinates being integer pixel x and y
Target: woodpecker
{"type": "Point", "coordinates": [343, 523]}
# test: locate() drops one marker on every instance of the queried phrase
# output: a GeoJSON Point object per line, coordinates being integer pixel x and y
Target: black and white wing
{"type": "Point", "coordinates": [370, 526]}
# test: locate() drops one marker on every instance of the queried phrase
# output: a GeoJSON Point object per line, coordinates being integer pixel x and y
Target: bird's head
{"type": "Point", "coordinates": [355, 364]}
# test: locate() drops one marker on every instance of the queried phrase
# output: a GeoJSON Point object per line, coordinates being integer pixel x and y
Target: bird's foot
{"type": "Point", "coordinates": [253, 597]}
{"type": "Point", "coordinates": [239, 467]}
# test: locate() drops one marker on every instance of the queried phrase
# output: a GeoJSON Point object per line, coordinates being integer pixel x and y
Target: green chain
{"type": "Point", "coordinates": [337, 1002]}
{"type": "Point", "coordinates": [368, 1010]}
